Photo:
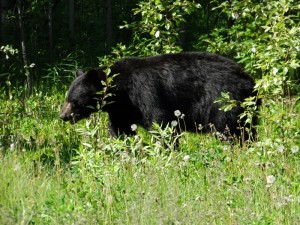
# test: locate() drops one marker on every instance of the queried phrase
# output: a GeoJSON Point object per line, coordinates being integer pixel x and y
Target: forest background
{"type": "Point", "coordinates": [55, 173]}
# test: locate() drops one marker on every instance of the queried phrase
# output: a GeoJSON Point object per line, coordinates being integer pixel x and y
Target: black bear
{"type": "Point", "coordinates": [151, 89]}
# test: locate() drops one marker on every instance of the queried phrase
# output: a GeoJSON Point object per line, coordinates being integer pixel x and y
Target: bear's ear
{"type": "Point", "coordinates": [79, 72]}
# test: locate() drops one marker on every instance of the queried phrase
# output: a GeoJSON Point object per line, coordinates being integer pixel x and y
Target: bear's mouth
{"type": "Point", "coordinates": [74, 118]}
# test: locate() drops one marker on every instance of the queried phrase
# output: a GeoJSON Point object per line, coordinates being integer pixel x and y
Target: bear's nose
{"type": "Point", "coordinates": [61, 116]}
{"type": "Point", "coordinates": [64, 117]}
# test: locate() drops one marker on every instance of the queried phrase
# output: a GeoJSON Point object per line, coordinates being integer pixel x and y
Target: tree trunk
{"type": "Point", "coordinates": [50, 29]}
{"type": "Point", "coordinates": [71, 21]}
{"type": "Point", "coordinates": [108, 23]}
{"type": "Point", "coordinates": [28, 85]}
{"type": "Point", "coordinates": [3, 22]}
{"type": "Point", "coordinates": [208, 10]}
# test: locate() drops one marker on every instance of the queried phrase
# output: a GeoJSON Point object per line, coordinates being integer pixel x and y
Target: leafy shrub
{"type": "Point", "coordinates": [158, 29]}
{"type": "Point", "coordinates": [264, 38]}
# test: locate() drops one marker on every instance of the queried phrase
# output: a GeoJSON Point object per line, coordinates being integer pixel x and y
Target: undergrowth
{"type": "Point", "coordinates": [56, 173]}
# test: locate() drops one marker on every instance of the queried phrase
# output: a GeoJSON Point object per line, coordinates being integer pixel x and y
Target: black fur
{"type": "Point", "coordinates": [150, 89]}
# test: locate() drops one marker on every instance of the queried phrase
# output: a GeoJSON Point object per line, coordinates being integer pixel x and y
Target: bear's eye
{"type": "Point", "coordinates": [74, 104]}
{"type": "Point", "coordinates": [77, 104]}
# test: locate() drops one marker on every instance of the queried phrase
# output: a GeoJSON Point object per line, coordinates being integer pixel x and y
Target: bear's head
{"type": "Point", "coordinates": [83, 95]}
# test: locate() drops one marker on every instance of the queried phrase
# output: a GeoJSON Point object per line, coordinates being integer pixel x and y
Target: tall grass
{"type": "Point", "coordinates": [57, 173]}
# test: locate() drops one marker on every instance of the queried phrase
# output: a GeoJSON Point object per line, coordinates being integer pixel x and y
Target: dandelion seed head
{"type": "Point", "coordinates": [158, 143]}
{"type": "Point", "coordinates": [174, 123]}
{"type": "Point", "coordinates": [177, 113]}
{"type": "Point", "coordinates": [186, 158]}
{"type": "Point", "coordinates": [227, 159]}
{"type": "Point", "coordinates": [17, 167]}
{"type": "Point", "coordinates": [295, 149]}
{"type": "Point", "coordinates": [247, 179]}
{"type": "Point", "coordinates": [133, 127]}
{"type": "Point", "coordinates": [110, 199]}
{"type": "Point", "coordinates": [270, 179]}
{"type": "Point", "coordinates": [280, 149]}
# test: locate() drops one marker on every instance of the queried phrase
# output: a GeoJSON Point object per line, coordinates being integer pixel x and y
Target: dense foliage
{"type": "Point", "coordinates": [55, 173]}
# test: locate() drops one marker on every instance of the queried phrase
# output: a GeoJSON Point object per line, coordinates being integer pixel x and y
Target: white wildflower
{"type": "Point", "coordinates": [225, 148]}
{"type": "Point", "coordinates": [182, 116]}
{"type": "Point", "coordinates": [281, 148]}
{"type": "Point", "coordinates": [274, 71]}
{"type": "Point", "coordinates": [133, 127]}
{"type": "Point", "coordinates": [247, 179]}
{"type": "Point", "coordinates": [125, 157]}
{"type": "Point", "coordinates": [186, 158]}
{"type": "Point", "coordinates": [235, 15]}
{"type": "Point", "coordinates": [12, 146]}
{"type": "Point", "coordinates": [177, 113]}
{"type": "Point", "coordinates": [200, 127]}
{"type": "Point", "coordinates": [17, 167]}
{"type": "Point", "coordinates": [289, 198]}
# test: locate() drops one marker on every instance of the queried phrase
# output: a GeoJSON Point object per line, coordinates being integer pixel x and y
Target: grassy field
{"type": "Point", "coordinates": [55, 173]}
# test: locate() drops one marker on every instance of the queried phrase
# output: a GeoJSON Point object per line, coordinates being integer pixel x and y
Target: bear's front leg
{"type": "Point", "coordinates": [118, 125]}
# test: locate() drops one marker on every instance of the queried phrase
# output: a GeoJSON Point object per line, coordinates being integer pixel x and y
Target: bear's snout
{"type": "Point", "coordinates": [64, 117]}
{"type": "Point", "coordinates": [66, 112]}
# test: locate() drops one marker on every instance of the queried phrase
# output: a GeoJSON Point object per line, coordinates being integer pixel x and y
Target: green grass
{"type": "Point", "coordinates": [56, 173]}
